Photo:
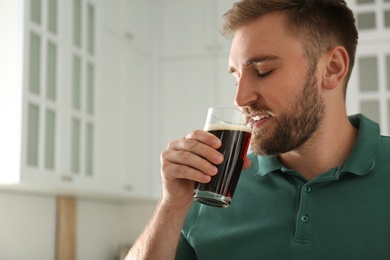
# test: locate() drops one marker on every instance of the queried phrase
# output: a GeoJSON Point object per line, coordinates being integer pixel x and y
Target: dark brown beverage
{"type": "Point", "coordinates": [235, 143]}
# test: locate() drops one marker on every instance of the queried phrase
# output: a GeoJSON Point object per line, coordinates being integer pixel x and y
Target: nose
{"type": "Point", "coordinates": [246, 92]}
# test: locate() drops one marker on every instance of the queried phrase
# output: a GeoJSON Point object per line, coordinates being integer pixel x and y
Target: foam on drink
{"type": "Point", "coordinates": [215, 127]}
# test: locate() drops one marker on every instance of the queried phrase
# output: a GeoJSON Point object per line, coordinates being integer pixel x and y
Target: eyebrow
{"type": "Point", "coordinates": [255, 60]}
{"type": "Point", "coordinates": [259, 59]}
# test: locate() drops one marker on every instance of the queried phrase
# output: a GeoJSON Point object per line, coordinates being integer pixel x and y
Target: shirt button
{"type": "Point", "coordinates": [307, 189]}
{"type": "Point", "coordinates": [305, 218]}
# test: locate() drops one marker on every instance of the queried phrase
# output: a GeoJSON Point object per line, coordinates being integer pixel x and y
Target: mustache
{"type": "Point", "coordinates": [257, 109]}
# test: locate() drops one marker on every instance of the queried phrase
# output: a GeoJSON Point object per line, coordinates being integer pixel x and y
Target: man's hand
{"type": "Point", "coordinates": [186, 161]}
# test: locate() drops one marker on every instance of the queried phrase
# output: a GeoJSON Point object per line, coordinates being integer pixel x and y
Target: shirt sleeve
{"type": "Point", "coordinates": [184, 250]}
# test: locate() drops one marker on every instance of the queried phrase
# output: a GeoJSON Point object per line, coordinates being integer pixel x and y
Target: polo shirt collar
{"type": "Point", "coordinates": [362, 158]}
{"type": "Point", "coordinates": [360, 162]}
{"type": "Point", "coordinates": [262, 165]}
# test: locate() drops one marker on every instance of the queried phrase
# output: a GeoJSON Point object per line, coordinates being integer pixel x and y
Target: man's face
{"type": "Point", "coordinates": [275, 85]}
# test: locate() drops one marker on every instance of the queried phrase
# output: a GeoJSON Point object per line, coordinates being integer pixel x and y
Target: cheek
{"type": "Point", "coordinates": [293, 82]}
{"type": "Point", "coordinates": [283, 92]}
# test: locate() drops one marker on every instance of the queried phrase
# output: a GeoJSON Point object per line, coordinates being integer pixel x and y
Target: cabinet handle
{"type": "Point", "coordinates": [128, 187]}
{"type": "Point", "coordinates": [129, 36]}
{"type": "Point", "coordinates": [66, 178]}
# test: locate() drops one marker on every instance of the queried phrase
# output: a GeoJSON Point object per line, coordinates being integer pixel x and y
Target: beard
{"type": "Point", "coordinates": [294, 127]}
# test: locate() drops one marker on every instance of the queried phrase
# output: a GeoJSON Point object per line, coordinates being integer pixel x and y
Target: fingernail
{"type": "Point", "coordinates": [216, 143]}
{"type": "Point", "coordinates": [206, 179]}
{"type": "Point", "coordinates": [213, 170]}
{"type": "Point", "coordinates": [219, 158]}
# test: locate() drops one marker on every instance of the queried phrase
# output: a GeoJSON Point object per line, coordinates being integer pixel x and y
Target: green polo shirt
{"type": "Point", "coordinates": [343, 213]}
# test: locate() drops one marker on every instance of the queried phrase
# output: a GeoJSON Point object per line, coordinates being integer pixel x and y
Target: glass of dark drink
{"type": "Point", "coordinates": [230, 125]}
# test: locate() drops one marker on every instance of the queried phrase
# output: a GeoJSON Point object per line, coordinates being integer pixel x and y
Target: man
{"type": "Point", "coordinates": [317, 183]}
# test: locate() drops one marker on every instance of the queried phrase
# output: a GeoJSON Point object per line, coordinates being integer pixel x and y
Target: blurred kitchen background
{"type": "Point", "coordinates": [91, 92]}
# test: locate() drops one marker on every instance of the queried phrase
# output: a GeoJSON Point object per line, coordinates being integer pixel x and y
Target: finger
{"type": "Point", "coordinates": [201, 150]}
{"type": "Point", "coordinates": [204, 137]}
{"type": "Point", "coordinates": [188, 159]}
{"type": "Point", "coordinates": [179, 171]}
{"type": "Point", "coordinates": [197, 147]}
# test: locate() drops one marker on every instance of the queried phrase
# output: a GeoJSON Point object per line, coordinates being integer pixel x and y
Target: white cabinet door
{"type": "Point", "coordinates": [136, 125]}
{"type": "Point", "coordinates": [43, 112]}
{"type": "Point", "coordinates": [82, 100]}
{"type": "Point", "coordinates": [124, 102]}
{"type": "Point", "coordinates": [108, 111]}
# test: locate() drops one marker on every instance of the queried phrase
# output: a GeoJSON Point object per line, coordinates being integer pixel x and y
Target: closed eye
{"type": "Point", "coordinates": [264, 75]}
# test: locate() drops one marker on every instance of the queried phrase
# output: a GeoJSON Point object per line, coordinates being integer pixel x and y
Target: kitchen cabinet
{"type": "Point", "coordinates": [125, 110]}
{"type": "Point", "coordinates": [136, 125]}
{"type": "Point", "coordinates": [36, 90]}
{"type": "Point", "coordinates": [73, 99]}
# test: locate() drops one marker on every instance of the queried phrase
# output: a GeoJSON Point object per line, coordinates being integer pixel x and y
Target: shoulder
{"type": "Point", "coordinates": [384, 149]}
{"type": "Point", "coordinates": [384, 145]}
{"type": "Point", "coordinates": [385, 140]}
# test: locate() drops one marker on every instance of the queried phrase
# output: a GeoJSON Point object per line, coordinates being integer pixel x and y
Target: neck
{"type": "Point", "coordinates": [328, 148]}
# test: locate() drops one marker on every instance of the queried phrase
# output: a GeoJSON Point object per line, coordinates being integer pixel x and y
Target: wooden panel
{"type": "Point", "coordinates": [66, 228]}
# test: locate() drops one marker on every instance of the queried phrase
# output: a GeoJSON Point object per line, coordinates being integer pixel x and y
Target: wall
{"type": "Point", "coordinates": [27, 224]}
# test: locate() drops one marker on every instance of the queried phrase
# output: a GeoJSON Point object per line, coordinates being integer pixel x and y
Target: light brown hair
{"type": "Point", "coordinates": [321, 24]}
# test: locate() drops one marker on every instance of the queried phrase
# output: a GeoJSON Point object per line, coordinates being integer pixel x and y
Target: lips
{"type": "Point", "coordinates": [258, 118]}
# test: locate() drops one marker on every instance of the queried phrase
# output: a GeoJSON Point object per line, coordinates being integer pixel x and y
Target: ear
{"type": "Point", "coordinates": [336, 67]}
